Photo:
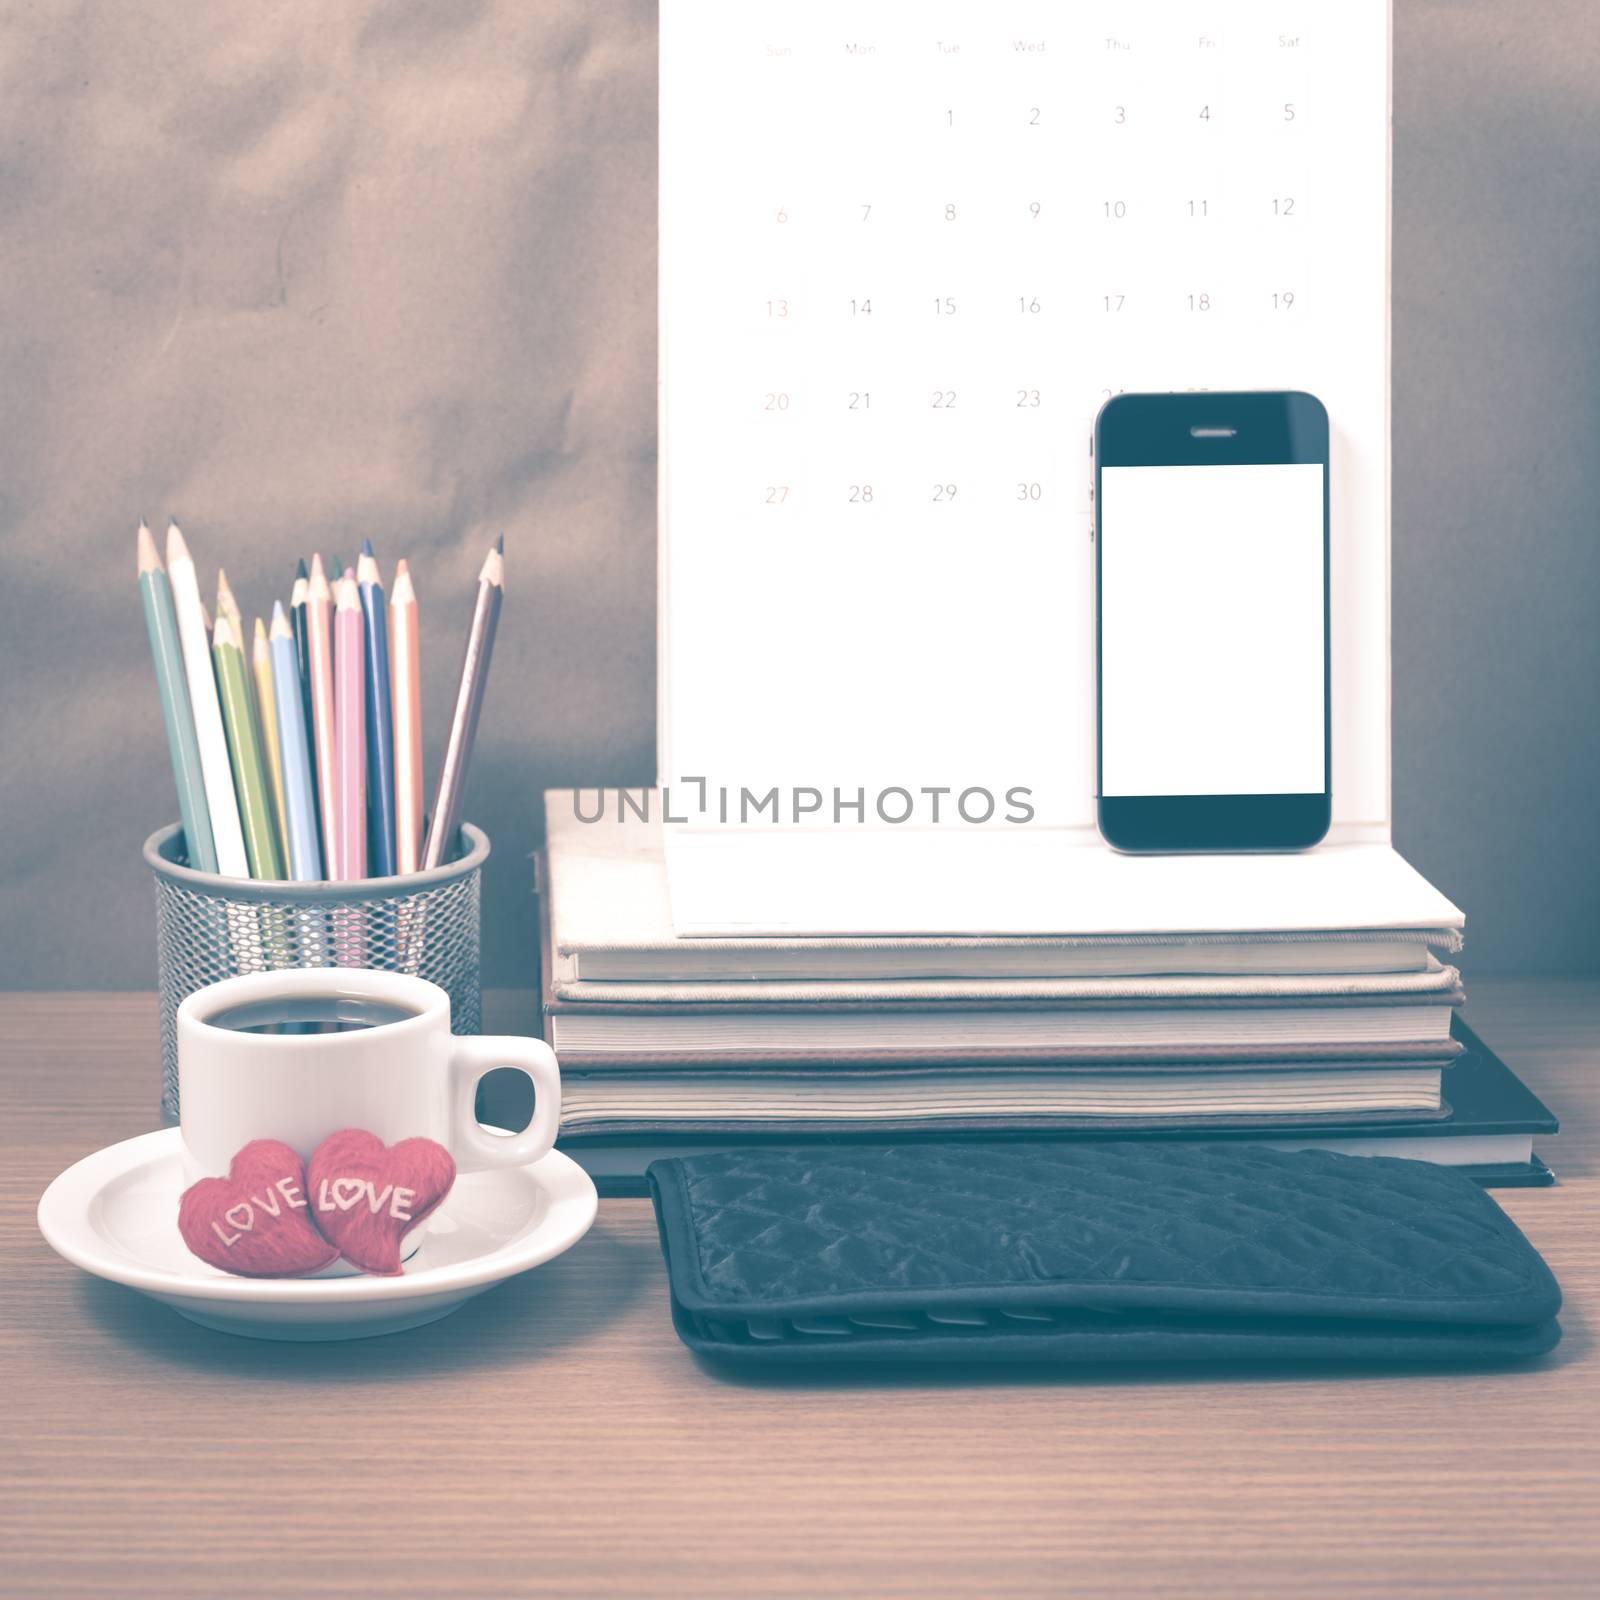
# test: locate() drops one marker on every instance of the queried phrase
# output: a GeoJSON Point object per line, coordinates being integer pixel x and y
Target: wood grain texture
{"type": "Point", "coordinates": [554, 1438]}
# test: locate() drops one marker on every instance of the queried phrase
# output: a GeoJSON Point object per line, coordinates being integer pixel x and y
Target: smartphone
{"type": "Point", "coordinates": [1211, 625]}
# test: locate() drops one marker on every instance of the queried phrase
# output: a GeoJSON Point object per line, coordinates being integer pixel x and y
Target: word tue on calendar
{"type": "Point", "coordinates": [907, 253]}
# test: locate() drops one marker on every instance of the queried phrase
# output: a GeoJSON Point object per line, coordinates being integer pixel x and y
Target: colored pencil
{"type": "Point", "coordinates": [319, 640]}
{"type": "Point", "coordinates": [228, 607]}
{"type": "Point", "coordinates": [469, 704]}
{"type": "Point", "coordinates": [249, 774]}
{"type": "Point", "coordinates": [380, 717]}
{"type": "Point", "coordinates": [215, 763]}
{"type": "Point", "coordinates": [350, 730]}
{"type": "Point", "coordinates": [297, 604]}
{"type": "Point", "coordinates": [405, 672]}
{"type": "Point", "coordinates": [305, 856]}
{"type": "Point", "coordinates": [298, 621]}
{"type": "Point", "coordinates": [335, 575]}
{"type": "Point", "coordinates": [267, 705]}
{"type": "Point", "coordinates": [182, 746]}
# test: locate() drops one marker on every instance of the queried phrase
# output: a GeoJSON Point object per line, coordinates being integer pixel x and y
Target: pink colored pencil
{"type": "Point", "coordinates": [405, 677]}
{"type": "Point", "coordinates": [319, 643]}
{"type": "Point", "coordinates": [350, 729]}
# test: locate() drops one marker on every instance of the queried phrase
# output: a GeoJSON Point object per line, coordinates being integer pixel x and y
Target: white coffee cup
{"type": "Point", "coordinates": [402, 1078]}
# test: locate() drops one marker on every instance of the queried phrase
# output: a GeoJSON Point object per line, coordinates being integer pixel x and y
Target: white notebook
{"type": "Point", "coordinates": [609, 914]}
{"type": "Point", "coordinates": [580, 1035]}
{"type": "Point", "coordinates": [906, 253]}
{"type": "Point", "coordinates": [796, 881]}
{"type": "Point", "coordinates": [591, 1101]}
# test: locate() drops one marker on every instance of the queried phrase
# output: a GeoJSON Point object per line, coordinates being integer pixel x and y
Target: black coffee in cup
{"type": "Point", "coordinates": [305, 1014]}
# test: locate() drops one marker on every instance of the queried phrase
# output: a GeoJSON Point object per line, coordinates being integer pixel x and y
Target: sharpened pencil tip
{"type": "Point", "coordinates": [177, 546]}
{"type": "Point", "coordinates": [366, 547]}
{"type": "Point", "coordinates": [277, 612]}
{"type": "Point", "coordinates": [149, 560]}
{"type": "Point", "coordinates": [300, 570]}
{"type": "Point", "coordinates": [500, 544]}
{"type": "Point", "coordinates": [317, 590]}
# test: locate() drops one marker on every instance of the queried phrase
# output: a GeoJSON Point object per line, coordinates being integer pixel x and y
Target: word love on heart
{"type": "Point", "coordinates": [272, 1217]}
{"type": "Point", "coordinates": [279, 1193]}
{"type": "Point", "coordinates": [255, 1222]}
{"type": "Point", "coordinates": [339, 1194]}
{"type": "Point", "coordinates": [369, 1195]}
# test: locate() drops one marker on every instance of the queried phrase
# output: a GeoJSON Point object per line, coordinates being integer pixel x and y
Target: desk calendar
{"type": "Point", "coordinates": [906, 253]}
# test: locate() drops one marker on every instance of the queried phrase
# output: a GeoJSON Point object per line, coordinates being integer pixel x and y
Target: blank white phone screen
{"type": "Point", "coordinates": [1212, 656]}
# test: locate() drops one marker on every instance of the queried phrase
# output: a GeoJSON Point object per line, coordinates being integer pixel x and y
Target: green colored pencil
{"type": "Point", "coordinates": [249, 775]}
{"type": "Point", "coordinates": [182, 744]}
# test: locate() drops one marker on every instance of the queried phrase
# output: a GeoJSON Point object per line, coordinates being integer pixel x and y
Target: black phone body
{"type": "Point", "coordinates": [1212, 639]}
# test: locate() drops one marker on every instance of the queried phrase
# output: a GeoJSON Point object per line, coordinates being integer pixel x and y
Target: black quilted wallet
{"type": "Point", "coordinates": [1092, 1253]}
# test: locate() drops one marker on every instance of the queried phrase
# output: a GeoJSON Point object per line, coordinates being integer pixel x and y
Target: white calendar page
{"type": "Point", "coordinates": [906, 253]}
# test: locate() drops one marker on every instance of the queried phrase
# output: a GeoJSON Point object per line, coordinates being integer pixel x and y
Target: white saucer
{"type": "Point", "coordinates": [115, 1214]}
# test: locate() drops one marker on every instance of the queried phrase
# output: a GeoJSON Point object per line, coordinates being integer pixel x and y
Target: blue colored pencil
{"type": "Point", "coordinates": [294, 752]}
{"type": "Point", "coordinates": [182, 744]}
{"type": "Point", "coordinates": [380, 719]}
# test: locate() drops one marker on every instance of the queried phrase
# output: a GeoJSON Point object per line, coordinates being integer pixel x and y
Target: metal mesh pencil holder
{"type": "Point", "coordinates": [209, 928]}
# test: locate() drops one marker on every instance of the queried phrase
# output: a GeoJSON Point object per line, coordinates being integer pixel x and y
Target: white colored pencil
{"type": "Point", "coordinates": [221, 801]}
{"type": "Point", "coordinates": [469, 703]}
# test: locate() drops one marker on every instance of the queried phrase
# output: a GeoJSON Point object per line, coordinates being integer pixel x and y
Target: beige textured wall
{"type": "Point", "coordinates": [300, 274]}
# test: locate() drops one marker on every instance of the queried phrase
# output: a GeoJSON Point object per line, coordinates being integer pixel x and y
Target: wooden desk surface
{"type": "Point", "coordinates": [554, 1438]}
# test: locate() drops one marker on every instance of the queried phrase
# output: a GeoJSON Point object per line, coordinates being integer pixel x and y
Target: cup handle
{"type": "Point", "coordinates": [471, 1058]}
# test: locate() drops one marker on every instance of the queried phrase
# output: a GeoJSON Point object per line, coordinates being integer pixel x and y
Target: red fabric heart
{"type": "Point", "coordinates": [366, 1196]}
{"type": "Point", "coordinates": [256, 1222]}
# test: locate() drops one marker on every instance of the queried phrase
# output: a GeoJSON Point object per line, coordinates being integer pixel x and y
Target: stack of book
{"type": "Point", "coordinates": [1338, 1037]}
